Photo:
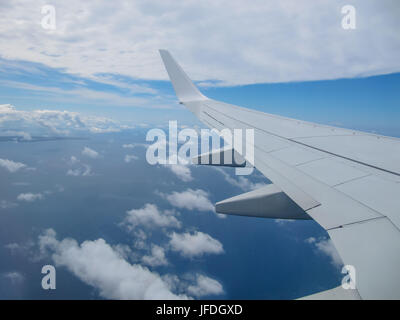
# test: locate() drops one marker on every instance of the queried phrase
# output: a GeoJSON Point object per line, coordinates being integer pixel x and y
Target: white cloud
{"type": "Point", "coordinates": [99, 265]}
{"type": "Point", "coordinates": [310, 240]}
{"type": "Point", "coordinates": [190, 199]}
{"type": "Point", "coordinates": [30, 197]}
{"type": "Point", "coordinates": [325, 246]}
{"type": "Point", "coordinates": [176, 164]}
{"type": "Point", "coordinates": [78, 168]}
{"type": "Point", "coordinates": [205, 286]}
{"type": "Point", "coordinates": [123, 250]}
{"type": "Point", "coordinates": [150, 216]}
{"type": "Point", "coordinates": [140, 239]}
{"type": "Point", "coordinates": [196, 244]}
{"type": "Point", "coordinates": [129, 157]}
{"type": "Point", "coordinates": [157, 257]}
{"type": "Point", "coordinates": [84, 170]}
{"type": "Point", "coordinates": [74, 160]}
{"type": "Point", "coordinates": [270, 41]}
{"type": "Point", "coordinates": [181, 171]}
{"type": "Point", "coordinates": [90, 153]}
{"type": "Point", "coordinates": [11, 166]}
{"type": "Point", "coordinates": [52, 122]}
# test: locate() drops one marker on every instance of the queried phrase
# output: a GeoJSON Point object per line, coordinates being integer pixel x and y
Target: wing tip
{"type": "Point", "coordinates": [184, 87]}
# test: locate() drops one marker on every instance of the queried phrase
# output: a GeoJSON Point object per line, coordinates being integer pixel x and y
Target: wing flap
{"type": "Point", "coordinates": [265, 202]}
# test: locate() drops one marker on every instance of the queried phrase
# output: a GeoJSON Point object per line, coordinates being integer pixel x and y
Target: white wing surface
{"type": "Point", "coordinates": [347, 181]}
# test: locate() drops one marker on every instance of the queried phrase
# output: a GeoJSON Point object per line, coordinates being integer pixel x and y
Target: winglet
{"type": "Point", "coordinates": [184, 88]}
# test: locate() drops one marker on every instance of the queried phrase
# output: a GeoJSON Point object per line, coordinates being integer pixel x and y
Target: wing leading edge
{"type": "Point", "coordinates": [348, 181]}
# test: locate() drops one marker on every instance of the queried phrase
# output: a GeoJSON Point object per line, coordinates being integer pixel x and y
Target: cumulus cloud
{"type": "Point", "coordinates": [205, 286]}
{"type": "Point", "coordinates": [274, 41]}
{"type": "Point", "coordinates": [78, 168]}
{"type": "Point", "coordinates": [326, 247]}
{"type": "Point", "coordinates": [90, 153]}
{"type": "Point", "coordinates": [194, 245]}
{"type": "Point", "coordinates": [30, 197]}
{"type": "Point", "coordinates": [190, 199]}
{"type": "Point", "coordinates": [11, 166]}
{"type": "Point", "coordinates": [97, 264]}
{"type": "Point", "coordinates": [84, 170]}
{"type": "Point", "coordinates": [156, 258]}
{"type": "Point", "coordinates": [150, 216]}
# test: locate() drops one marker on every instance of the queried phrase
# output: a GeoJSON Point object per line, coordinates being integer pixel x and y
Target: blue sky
{"type": "Point", "coordinates": [76, 103]}
{"type": "Point", "coordinates": [368, 104]}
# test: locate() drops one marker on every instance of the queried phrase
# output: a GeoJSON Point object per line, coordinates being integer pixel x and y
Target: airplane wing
{"type": "Point", "coordinates": [347, 181]}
